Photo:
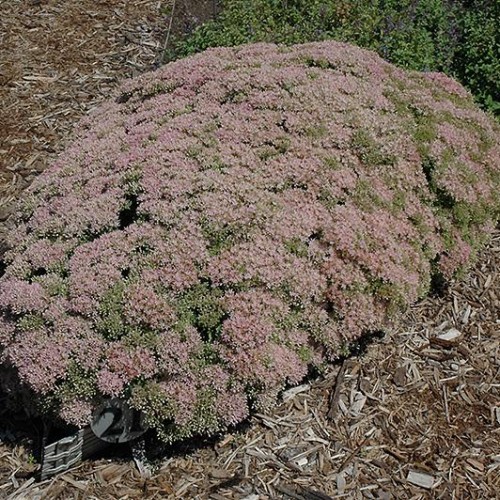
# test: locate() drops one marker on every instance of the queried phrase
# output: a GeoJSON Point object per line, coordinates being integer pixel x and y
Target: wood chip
{"type": "Point", "coordinates": [220, 473]}
{"type": "Point", "coordinates": [77, 484]}
{"type": "Point", "coordinates": [335, 395]}
{"type": "Point", "coordinates": [450, 335]}
{"type": "Point", "coordinates": [291, 393]}
{"type": "Point", "coordinates": [421, 479]}
{"type": "Point", "coordinates": [476, 464]}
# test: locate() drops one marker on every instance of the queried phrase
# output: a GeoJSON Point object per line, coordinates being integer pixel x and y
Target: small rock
{"type": "Point", "coordinates": [399, 377]}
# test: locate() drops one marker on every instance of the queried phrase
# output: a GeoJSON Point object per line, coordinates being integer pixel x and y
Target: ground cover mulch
{"type": "Point", "coordinates": [416, 416]}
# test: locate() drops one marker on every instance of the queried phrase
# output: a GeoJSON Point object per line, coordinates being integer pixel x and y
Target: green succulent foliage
{"type": "Point", "coordinates": [79, 383]}
{"type": "Point", "coordinates": [160, 412]}
{"type": "Point", "coordinates": [297, 247]}
{"type": "Point", "coordinates": [31, 322]}
{"type": "Point", "coordinates": [458, 37]}
{"type": "Point", "coordinates": [201, 307]}
{"type": "Point", "coordinates": [154, 402]}
{"type": "Point", "coordinates": [220, 238]}
{"type": "Point", "coordinates": [111, 323]}
{"type": "Point", "coordinates": [368, 151]}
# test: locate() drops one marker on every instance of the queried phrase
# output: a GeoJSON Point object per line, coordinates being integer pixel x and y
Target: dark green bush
{"type": "Point", "coordinates": [459, 38]}
{"type": "Point", "coordinates": [477, 57]}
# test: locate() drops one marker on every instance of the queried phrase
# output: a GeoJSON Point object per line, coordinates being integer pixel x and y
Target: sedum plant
{"type": "Point", "coordinates": [234, 218]}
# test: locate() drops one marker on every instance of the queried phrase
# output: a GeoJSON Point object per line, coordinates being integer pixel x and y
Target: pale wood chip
{"type": "Point", "coordinates": [421, 479]}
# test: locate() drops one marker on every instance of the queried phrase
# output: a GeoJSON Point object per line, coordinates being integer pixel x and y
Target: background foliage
{"type": "Point", "coordinates": [460, 38]}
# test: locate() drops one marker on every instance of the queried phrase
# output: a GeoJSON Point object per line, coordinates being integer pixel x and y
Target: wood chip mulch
{"type": "Point", "coordinates": [417, 416]}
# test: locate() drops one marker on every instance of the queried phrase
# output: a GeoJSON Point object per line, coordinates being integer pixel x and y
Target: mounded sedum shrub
{"type": "Point", "coordinates": [233, 218]}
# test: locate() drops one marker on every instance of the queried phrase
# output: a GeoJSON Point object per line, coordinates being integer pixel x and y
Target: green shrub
{"type": "Point", "coordinates": [477, 59]}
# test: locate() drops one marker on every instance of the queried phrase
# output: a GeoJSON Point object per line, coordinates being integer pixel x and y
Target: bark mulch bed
{"type": "Point", "coordinates": [416, 416]}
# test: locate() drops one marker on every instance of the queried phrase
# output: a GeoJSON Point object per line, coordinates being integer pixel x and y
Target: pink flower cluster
{"type": "Point", "coordinates": [234, 217]}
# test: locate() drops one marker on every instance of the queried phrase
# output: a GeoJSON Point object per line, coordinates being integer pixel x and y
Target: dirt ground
{"type": "Point", "coordinates": [416, 416]}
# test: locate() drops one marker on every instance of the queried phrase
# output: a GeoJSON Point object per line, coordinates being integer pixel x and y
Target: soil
{"type": "Point", "coordinates": [414, 416]}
